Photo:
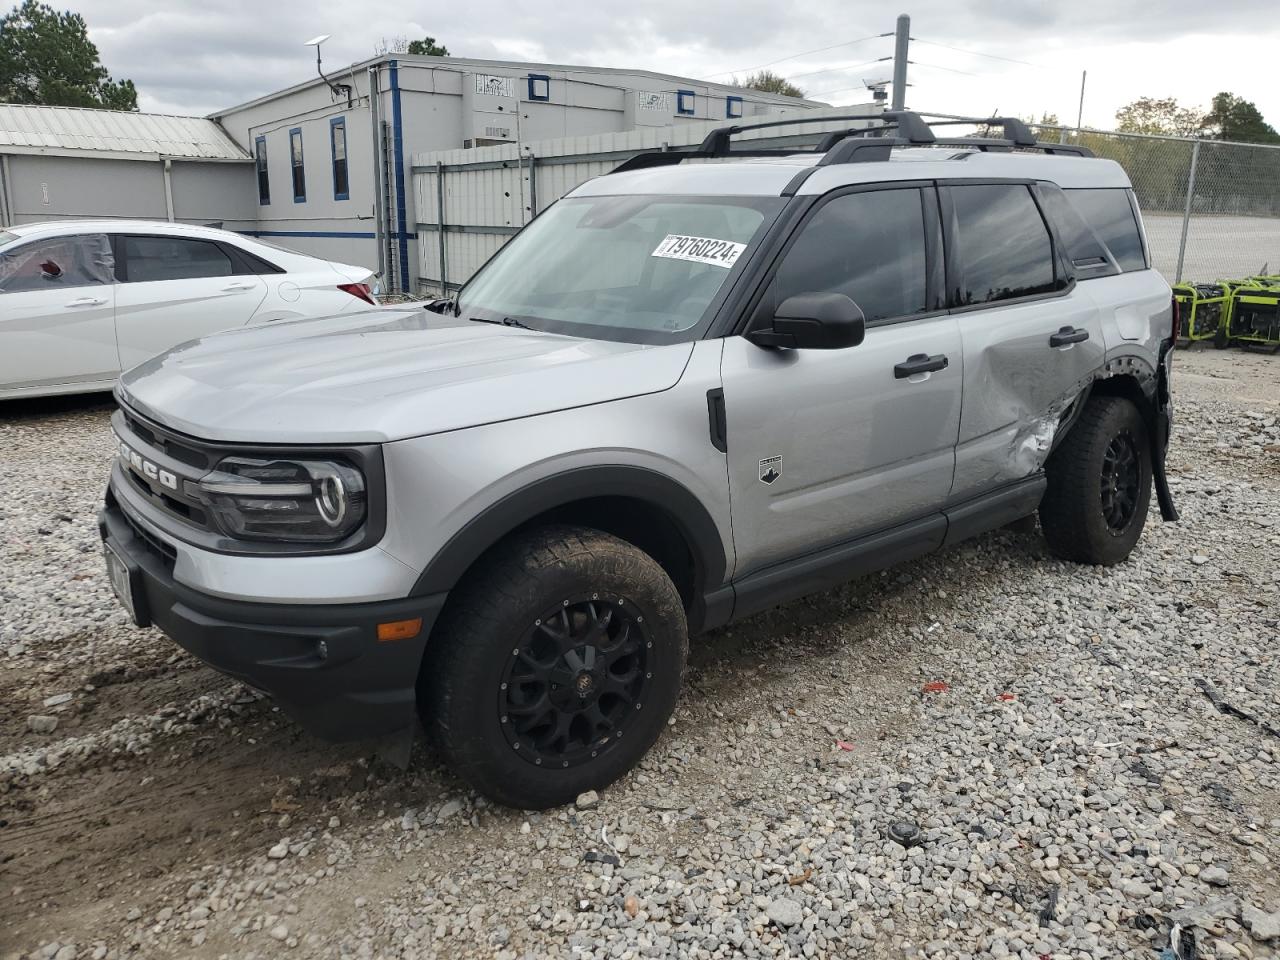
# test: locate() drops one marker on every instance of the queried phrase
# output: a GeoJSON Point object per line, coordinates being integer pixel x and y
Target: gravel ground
{"type": "Point", "coordinates": [1089, 756]}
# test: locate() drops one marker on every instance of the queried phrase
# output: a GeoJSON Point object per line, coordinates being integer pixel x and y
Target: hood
{"type": "Point", "coordinates": [383, 375]}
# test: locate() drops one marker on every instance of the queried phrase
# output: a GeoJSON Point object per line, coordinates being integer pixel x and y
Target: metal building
{"type": "Point", "coordinates": [333, 157]}
{"type": "Point", "coordinates": [65, 162]}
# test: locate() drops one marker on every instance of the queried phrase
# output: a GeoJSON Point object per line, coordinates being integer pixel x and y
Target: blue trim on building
{"type": "Point", "coordinates": [684, 102]}
{"type": "Point", "coordinates": [260, 167]}
{"type": "Point", "coordinates": [397, 143]}
{"type": "Point", "coordinates": [732, 107]}
{"type": "Point", "coordinates": [542, 77]}
{"type": "Point", "coordinates": [334, 124]}
{"type": "Point", "coordinates": [293, 183]}
{"type": "Point", "coordinates": [324, 234]}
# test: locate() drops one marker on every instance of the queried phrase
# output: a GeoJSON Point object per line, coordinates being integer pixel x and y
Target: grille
{"type": "Point", "coordinates": [167, 554]}
{"type": "Point", "coordinates": [165, 441]}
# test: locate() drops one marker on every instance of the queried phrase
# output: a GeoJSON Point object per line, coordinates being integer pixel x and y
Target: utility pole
{"type": "Point", "coordinates": [901, 38]}
{"type": "Point", "coordinates": [1084, 75]}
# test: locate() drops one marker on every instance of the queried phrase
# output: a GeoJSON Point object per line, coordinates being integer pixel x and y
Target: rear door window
{"type": "Point", "coordinates": [173, 258]}
{"type": "Point", "coordinates": [57, 264]}
{"type": "Point", "coordinates": [1005, 251]}
{"type": "Point", "coordinates": [1110, 213]}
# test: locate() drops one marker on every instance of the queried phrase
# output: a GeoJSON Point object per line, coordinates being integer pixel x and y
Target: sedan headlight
{"type": "Point", "coordinates": [285, 500]}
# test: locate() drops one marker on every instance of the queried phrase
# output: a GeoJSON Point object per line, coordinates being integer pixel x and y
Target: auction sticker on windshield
{"type": "Point", "coordinates": [719, 253]}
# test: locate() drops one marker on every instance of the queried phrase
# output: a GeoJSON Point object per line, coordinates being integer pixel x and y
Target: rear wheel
{"type": "Point", "coordinates": [1099, 486]}
{"type": "Point", "coordinates": [555, 666]}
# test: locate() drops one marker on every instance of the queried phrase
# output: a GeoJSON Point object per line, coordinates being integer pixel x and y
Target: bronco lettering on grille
{"type": "Point", "coordinates": [145, 468]}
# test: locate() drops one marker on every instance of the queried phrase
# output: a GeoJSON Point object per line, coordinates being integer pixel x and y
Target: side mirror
{"type": "Point", "coordinates": [813, 321]}
{"type": "Point", "coordinates": [439, 305]}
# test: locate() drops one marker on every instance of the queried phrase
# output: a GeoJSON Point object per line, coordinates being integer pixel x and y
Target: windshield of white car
{"type": "Point", "coordinates": [642, 269]}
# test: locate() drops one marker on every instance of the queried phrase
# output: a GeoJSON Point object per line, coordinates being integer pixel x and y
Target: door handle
{"type": "Point", "coordinates": [920, 363]}
{"type": "Point", "coordinates": [1068, 335]}
{"type": "Point", "coordinates": [86, 302]}
{"type": "Point", "coordinates": [231, 288]}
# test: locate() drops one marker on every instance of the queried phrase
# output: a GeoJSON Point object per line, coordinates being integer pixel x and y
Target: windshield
{"type": "Point", "coordinates": [644, 269]}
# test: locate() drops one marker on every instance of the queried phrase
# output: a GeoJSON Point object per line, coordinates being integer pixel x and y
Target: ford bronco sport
{"type": "Point", "coordinates": [702, 385]}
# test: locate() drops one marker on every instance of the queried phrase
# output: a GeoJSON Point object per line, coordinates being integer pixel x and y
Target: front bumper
{"type": "Point", "coordinates": [322, 663]}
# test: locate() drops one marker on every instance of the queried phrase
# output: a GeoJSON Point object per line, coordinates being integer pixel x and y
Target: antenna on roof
{"type": "Point", "coordinates": [338, 88]}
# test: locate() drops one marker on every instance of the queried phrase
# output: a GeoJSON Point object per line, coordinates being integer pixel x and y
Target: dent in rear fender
{"type": "Point", "coordinates": [438, 485]}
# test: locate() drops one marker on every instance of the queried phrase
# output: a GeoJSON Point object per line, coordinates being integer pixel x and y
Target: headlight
{"type": "Point", "coordinates": [302, 501]}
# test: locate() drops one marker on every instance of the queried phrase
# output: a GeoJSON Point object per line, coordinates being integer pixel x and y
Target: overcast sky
{"type": "Point", "coordinates": [196, 56]}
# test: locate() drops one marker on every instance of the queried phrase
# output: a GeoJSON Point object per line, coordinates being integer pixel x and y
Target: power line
{"type": "Point", "coordinates": [827, 93]}
{"type": "Point", "coordinates": [794, 56]}
{"type": "Point", "coordinates": [974, 53]}
{"type": "Point", "coordinates": [917, 63]}
{"type": "Point", "coordinates": [847, 66]}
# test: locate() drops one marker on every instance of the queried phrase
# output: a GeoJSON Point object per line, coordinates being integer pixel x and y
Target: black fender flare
{"type": "Point", "coordinates": [655, 489]}
{"type": "Point", "coordinates": [1156, 411]}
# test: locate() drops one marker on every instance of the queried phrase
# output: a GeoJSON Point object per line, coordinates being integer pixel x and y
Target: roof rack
{"type": "Point", "coordinates": [860, 144]}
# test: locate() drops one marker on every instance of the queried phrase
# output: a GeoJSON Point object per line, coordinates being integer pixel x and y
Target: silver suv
{"type": "Point", "coordinates": [705, 384]}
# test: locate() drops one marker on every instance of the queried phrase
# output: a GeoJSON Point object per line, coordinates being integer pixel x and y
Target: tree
{"type": "Point", "coordinates": [427, 47]}
{"type": "Point", "coordinates": [1234, 118]}
{"type": "Point", "coordinates": [46, 57]}
{"type": "Point", "coordinates": [767, 81]}
{"type": "Point", "coordinates": [1159, 116]}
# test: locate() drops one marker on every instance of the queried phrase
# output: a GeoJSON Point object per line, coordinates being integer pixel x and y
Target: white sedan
{"type": "Point", "coordinates": [82, 300]}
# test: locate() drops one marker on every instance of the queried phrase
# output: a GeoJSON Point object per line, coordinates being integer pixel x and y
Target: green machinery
{"type": "Point", "coordinates": [1253, 319]}
{"type": "Point", "coordinates": [1202, 308]}
{"type": "Point", "coordinates": [1244, 312]}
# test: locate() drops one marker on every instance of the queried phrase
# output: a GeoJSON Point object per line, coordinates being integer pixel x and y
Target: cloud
{"type": "Point", "coordinates": [196, 57]}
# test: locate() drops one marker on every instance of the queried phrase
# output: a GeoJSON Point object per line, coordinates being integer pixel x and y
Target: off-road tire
{"type": "Point", "coordinates": [460, 689]}
{"type": "Point", "coordinates": [1072, 513]}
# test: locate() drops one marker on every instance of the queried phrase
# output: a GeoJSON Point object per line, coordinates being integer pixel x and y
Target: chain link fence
{"type": "Point", "coordinates": [1211, 207]}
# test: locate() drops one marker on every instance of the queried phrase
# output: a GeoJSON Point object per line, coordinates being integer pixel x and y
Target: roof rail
{"type": "Point", "coordinates": [858, 144]}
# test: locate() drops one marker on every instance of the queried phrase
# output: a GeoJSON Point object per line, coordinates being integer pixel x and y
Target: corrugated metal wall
{"type": "Point", "coordinates": [489, 193]}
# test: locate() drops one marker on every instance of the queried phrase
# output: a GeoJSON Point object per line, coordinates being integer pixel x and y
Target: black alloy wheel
{"type": "Point", "coordinates": [576, 680]}
{"type": "Point", "coordinates": [1120, 482]}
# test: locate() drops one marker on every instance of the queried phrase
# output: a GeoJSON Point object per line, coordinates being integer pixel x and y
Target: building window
{"type": "Point", "coordinates": [264, 180]}
{"type": "Point", "coordinates": [732, 107]}
{"type": "Point", "coordinates": [338, 151]}
{"type": "Point", "coordinates": [539, 86]}
{"type": "Point", "coordinates": [684, 102]}
{"type": "Point", "coordinates": [295, 161]}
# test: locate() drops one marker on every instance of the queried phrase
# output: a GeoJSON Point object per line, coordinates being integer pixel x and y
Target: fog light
{"type": "Point", "coordinates": [400, 629]}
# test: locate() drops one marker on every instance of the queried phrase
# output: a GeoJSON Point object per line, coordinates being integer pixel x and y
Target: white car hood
{"type": "Point", "coordinates": [384, 375]}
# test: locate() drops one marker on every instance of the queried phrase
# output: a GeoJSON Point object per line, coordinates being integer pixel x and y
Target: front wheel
{"type": "Point", "coordinates": [1099, 485]}
{"type": "Point", "coordinates": [555, 667]}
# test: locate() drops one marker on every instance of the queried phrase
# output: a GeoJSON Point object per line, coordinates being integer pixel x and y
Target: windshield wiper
{"type": "Point", "coordinates": [505, 322]}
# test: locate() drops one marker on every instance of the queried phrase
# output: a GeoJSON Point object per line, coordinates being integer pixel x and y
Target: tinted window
{"type": "Point", "coordinates": [1086, 252]}
{"type": "Point", "coordinates": [338, 148]}
{"type": "Point", "coordinates": [1110, 214]}
{"type": "Point", "coordinates": [1005, 250]}
{"type": "Point", "coordinates": [295, 164]}
{"type": "Point", "coordinates": [868, 246]}
{"type": "Point", "coordinates": [173, 258]}
{"type": "Point", "coordinates": [57, 264]}
{"type": "Point", "coordinates": [264, 180]}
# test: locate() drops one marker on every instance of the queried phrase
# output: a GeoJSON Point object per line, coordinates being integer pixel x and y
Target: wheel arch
{"type": "Point", "coordinates": [647, 509]}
